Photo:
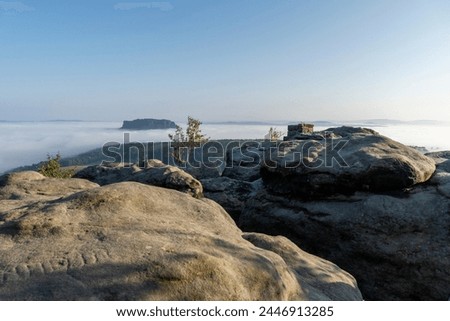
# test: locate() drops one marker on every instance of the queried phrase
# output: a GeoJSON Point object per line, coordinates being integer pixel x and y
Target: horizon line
{"type": "Point", "coordinates": [256, 122]}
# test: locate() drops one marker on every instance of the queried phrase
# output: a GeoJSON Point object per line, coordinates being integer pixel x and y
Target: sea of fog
{"type": "Point", "coordinates": [26, 143]}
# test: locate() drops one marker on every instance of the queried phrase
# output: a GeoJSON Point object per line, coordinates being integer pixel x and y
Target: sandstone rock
{"type": "Point", "coordinates": [130, 241]}
{"type": "Point", "coordinates": [169, 177]}
{"type": "Point", "coordinates": [311, 270]}
{"type": "Point", "coordinates": [154, 163]}
{"type": "Point", "coordinates": [148, 123]}
{"type": "Point", "coordinates": [244, 162]}
{"type": "Point", "coordinates": [207, 160]}
{"type": "Point", "coordinates": [230, 193]}
{"type": "Point", "coordinates": [356, 159]}
{"type": "Point", "coordinates": [32, 185]}
{"type": "Point", "coordinates": [247, 174]}
{"type": "Point", "coordinates": [395, 244]}
{"type": "Point", "coordinates": [441, 178]}
{"type": "Point", "coordinates": [154, 172]}
{"type": "Point", "coordinates": [443, 155]}
{"type": "Point", "coordinates": [203, 172]}
{"type": "Point", "coordinates": [304, 137]}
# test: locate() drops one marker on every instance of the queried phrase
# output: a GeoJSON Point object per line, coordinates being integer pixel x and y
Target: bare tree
{"type": "Point", "coordinates": [274, 134]}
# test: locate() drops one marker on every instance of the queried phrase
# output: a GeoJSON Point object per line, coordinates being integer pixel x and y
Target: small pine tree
{"type": "Point", "coordinates": [52, 168]}
{"type": "Point", "coordinates": [178, 136]}
{"type": "Point", "coordinates": [194, 133]}
{"type": "Point", "coordinates": [191, 139]}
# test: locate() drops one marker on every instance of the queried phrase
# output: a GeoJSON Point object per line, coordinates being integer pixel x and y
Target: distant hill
{"type": "Point", "coordinates": [148, 123]}
{"type": "Point", "coordinates": [128, 153]}
{"type": "Point", "coordinates": [92, 157]}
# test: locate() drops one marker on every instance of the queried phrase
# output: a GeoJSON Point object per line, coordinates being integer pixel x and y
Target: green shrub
{"type": "Point", "coordinates": [52, 168]}
{"type": "Point", "coordinates": [184, 143]}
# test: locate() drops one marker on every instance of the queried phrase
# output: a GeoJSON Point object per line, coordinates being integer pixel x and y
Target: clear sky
{"type": "Point", "coordinates": [225, 60]}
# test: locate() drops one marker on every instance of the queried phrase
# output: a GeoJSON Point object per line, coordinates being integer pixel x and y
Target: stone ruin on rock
{"type": "Point", "coordinates": [299, 131]}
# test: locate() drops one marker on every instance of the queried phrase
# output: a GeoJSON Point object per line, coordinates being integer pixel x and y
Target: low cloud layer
{"type": "Point", "coordinates": [163, 5]}
{"type": "Point", "coordinates": [14, 6]}
{"type": "Point", "coordinates": [25, 143]}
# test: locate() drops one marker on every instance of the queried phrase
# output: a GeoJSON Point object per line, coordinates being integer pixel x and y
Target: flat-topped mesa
{"type": "Point", "coordinates": [299, 131]}
{"type": "Point", "coordinates": [148, 123]}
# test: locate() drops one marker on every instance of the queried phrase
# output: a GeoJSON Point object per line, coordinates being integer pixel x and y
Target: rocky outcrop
{"type": "Point", "coordinates": [148, 123]}
{"type": "Point", "coordinates": [230, 193]}
{"type": "Point", "coordinates": [349, 160]}
{"type": "Point", "coordinates": [199, 164]}
{"type": "Point", "coordinates": [153, 172]}
{"type": "Point", "coordinates": [243, 162]}
{"type": "Point", "coordinates": [158, 174]}
{"type": "Point", "coordinates": [30, 186]}
{"type": "Point", "coordinates": [441, 179]}
{"type": "Point", "coordinates": [395, 244]}
{"type": "Point", "coordinates": [385, 218]}
{"type": "Point", "coordinates": [314, 272]}
{"type": "Point", "coordinates": [108, 174]}
{"type": "Point", "coordinates": [130, 241]}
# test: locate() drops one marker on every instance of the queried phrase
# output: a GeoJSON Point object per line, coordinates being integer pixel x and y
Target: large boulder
{"type": "Point", "coordinates": [109, 173]}
{"type": "Point", "coordinates": [158, 174]}
{"type": "Point", "coordinates": [312, 270]}
{"type": "Point", "coordinates": [395, 244]}
{"type": "Point", "coordinates": [153, 172]}
{"type": "Point", "coordinates": [130, 241]}
{"type": "Point", "coordinates": [348, 160]}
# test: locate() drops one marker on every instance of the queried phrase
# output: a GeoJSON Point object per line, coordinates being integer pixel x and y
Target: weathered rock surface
{"type": "Point", "coordinates": [314, 272]}
{"type": "Point", "coordinates": [246, 174]}
{"type": "Point", "coordinates": [153, 173]}
{"type": "Point", "coordinates": [230, 193]}
{"type": "Point", "coordinates": [203, 172]}
{"type": "Point", "coordinates": [130, 241]}
{"type": "Point", "coordinates": [356, 159]}
{"type": "Point", "coordinates": [107, 174]}
{"type": "Point", "coordinates": [395, 244]}
{"type": "Point", "coordinates": [32, 185]}
{"type": "Point", "coordinates": [244, 162]}
{"type": "Point", "coordinates": [169, 177]}
{"type": "Point", "coordinates": [441, 179]}
{"type": "Point", "coordinates": [204, 161]}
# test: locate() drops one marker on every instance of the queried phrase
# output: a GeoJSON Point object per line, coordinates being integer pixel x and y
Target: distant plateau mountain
{"type": "Point", "coordinates": [148, 123]}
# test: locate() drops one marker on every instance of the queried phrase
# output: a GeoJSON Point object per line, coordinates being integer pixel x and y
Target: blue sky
{"type": "Point", "coordinates": [225, 60]}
